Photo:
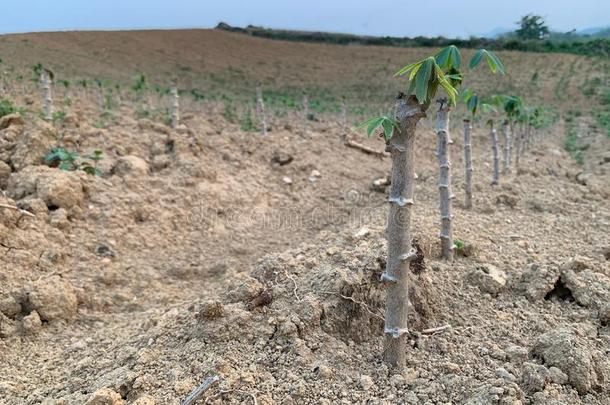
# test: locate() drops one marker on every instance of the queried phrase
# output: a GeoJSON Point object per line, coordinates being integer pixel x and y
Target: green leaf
{"type": "Point", "coordinates": [97, 155]}
{"type": "Point", "coordinates": [442, 81]}
{"type": "Point", "coordinates": [456, 57]}
{"type": "Point", "coordinates": [498, 62]}
{"type": "Point", "coordinates": [476, 58]}
{"type": "Point", "coordinates": [449, 58]}
{"type": "Point", "coordinates": [67, 166]}
{"type": "Point", "coordinates": [422, 79]}
{"type": "Point", "coordinates": [467, 94]}
{"type": "Point", "coordinates": [407, 68]}
{"type": "Point", "coordinates": [387, 123]}
{"type": "Point", "coordinates": [388, 129]}
{"type": "Point", "coordinates": [473, 103]}
{"type": "Point", "coordinates": [415, 70]}
{"type": "Point", "coordinates": [370, 125]}
{"type": "Point", "coordinates": [443, 57]}
{"type": "Point", "coordinates": [494, 63]}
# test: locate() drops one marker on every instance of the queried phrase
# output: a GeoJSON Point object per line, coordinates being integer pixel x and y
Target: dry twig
{"type": "Point", "coordinates": [435, 331]}
{"type": "Point", "coordinates": [294, 291]}
{"type": "Point", "coordinates": [365, 149]}
{"type": "Point", "coordinates": [12, 207]}
{"type": "Point", "coordinates": [197, 392]}
{"type": "Point", "coordinates": [355, 301]}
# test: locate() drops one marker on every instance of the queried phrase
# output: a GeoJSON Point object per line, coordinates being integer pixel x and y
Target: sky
{"type": "Point", "coordinates": [371, 17]}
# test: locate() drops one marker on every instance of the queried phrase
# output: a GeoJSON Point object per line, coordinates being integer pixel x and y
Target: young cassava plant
{"type": "Point", "coordinates": [449, 62]}
{"type": "Point", "coordinates": [472, 104]}
{"type": "Point", "coordinates": [426, 77]}
{"type": "Point", "coordinates": [491, 107]}
{"type": "Point", "coordinates": [70, 161]}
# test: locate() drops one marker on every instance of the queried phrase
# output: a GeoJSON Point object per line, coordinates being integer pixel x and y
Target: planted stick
{"type": "Point", "coordinates": [344, 127]}
{"type": "Point", "coordinates": [46, 78]}
{"type": "Point", "coordinates": [468, 163]}
{"type": "Point", "coordinates": [496, 156]}
{"type": "Point", "coordinates": [175, 105]}
{"type": "Point", "coordinates": [260, 109]}
{"type": "Point", "coordinates": [400, 251]}
{"type": "Point", "coordinates": [305, 111]}
{"type": "Point", "coordinates": [363, 148]}
{"type": "Point", "coordinates": [506, 133]}
{"type": "Point", "coordinates": [444, 180]}
{"type": "Point", "coordinates": [528, 136]}
{"type": "Point", "coordinates": [519, 144]}
{"type": "Point", "coordinates": [100, 96]}
{"type": "Point", "coordinates": [197, 392]}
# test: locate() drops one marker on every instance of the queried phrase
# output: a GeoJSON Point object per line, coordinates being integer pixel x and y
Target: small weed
{"type": "Point", "coordinates": [197, 95]}
{"type": "Point", "coordinates": [247, 123]}
{"type": "Point", "coordinates": [59, 116]}
{"type": "Point", "coordinates": [70, 161]}
{"type": "Point", "coordinates": [106, 118]}
{"type": "Point", "coordinates": [229, 112]}
{"type": "Point", "coordinates": [603, 118]}
{"type": "Point", "coordinates": [605, 97]}
{"type": "Point", "coordinates": [140, 84]}
{"type": "Point", "coordinates": [571, 145]}
{"type": "Point", "coordinates": [7, 107]}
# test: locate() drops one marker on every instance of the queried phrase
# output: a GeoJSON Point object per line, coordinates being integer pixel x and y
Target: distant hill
{"type": "Point", "coordinates": [497, 32]}
{"type": "Point", "coordinates": [596, 32]}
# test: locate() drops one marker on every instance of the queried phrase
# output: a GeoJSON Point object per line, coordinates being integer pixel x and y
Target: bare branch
{"type": "Point", "coordinates": [197, 392]}
{"type": "Point", "coordinates": [12, 207]}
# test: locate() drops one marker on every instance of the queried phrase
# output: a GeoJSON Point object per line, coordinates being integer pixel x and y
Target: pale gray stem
{"type": "Point", "coordinates": [496, 156]}
{"type": "Point", "coordinates": [344, 127]}
{"type": "Point", "coordinates": [444, 179]}
{"type": "Point", "coordinates": [506, 133]}
{"type": "Point", "coordinates": [468, 163]}
{"type": "Point", "coordinates": [175, 106]}
{"type": "Point", "coordinates": [197, 392]}
{"type": "Point", "coordinates": [100, 98]}
{"type": "Point", "coordinates": [45, 80]}
{"type": "Point", "coordinates": [305, 110]}
{"type": "Point", "coordinates": [260, 109]}
{"type": "Point", "coordinates": [400, 252]}
{"type": "Point", "coordinates": [519, 144]}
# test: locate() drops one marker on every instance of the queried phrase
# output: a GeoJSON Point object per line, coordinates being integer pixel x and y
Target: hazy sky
{"type": "Point", "coordinates": [374, 17]}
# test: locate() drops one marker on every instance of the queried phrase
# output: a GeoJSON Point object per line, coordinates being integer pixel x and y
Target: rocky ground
{"type": "Point", "coordinates": [210, 251]}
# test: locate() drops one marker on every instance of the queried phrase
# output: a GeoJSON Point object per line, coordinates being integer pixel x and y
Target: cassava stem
{"type": "Point", "coordinates": [496, 156]}
{"type": "Point", "coordinates": [400, 251]}
{"type": "Point", "coordinates": [507, 140]}
{"type": "Point", "coordinates": [260, 109]}
{"type": "Point", "coordinates": [45, 80]}
{"type": "Point", "coordinates": [468, 163]}
{"type": "Point", "coordinates": [444, 179]}
{"type": "Point", "coordinates": [175, 106]}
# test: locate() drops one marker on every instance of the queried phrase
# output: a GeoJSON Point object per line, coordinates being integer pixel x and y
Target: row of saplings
{"type": "Point", "coordinates": [426, 77]}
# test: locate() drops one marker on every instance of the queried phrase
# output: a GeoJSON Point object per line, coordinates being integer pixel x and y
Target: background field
{"type": "Point", "coordinates": [213, 250]}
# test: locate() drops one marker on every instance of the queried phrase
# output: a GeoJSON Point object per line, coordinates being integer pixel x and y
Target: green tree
{"type": "Point", "coordinates": [532, 27]}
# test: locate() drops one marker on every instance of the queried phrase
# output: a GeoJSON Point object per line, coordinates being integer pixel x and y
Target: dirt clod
{"type": "Point", "coordinates": [53, 298]}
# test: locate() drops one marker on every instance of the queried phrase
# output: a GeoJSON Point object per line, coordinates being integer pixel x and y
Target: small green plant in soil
{"type": "Point", "coordinates": [247, 123]}
{"type": "Point", "coordinates": [7, 107]}
{"type": "Point", "coordinates": [71, 161]}
{"type": "Point", "coordinates": [571, 145]}
{"type": "Point", "coordinates": [603, 119]}
{"type": "Point", "coordinates": [106, 118]}
{"type": "Point", "coordinates": [59, 116]}
{"type": "Point", "coordinates": [229, 112]}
